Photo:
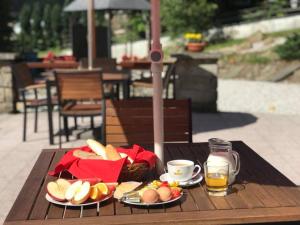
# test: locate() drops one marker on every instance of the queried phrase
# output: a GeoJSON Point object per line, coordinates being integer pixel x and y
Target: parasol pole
{"type": "Point", "coordinates": [91, 34]}
{"type": "Point", "coordinates": [156, 57]}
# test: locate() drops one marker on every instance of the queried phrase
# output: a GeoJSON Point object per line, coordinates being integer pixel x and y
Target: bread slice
{"type": "Point", "coordinates": [125, 187]}
{"type": "Point", "coordinates": [97, 147]}
{"type": "Point", "coordinates": [112, 153]}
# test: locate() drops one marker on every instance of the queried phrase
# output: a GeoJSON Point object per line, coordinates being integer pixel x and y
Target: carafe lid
{"type": "Point", "coordinates": [219, 144]}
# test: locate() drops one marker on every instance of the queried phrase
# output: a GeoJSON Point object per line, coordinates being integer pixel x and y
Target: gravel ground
{"type": "Point", "coordinates": [257, 96]}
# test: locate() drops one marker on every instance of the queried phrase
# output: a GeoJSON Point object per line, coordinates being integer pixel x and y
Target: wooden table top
{"type": "Point", "coordinates": [53, 65]}
{"type": "Point", "coordinates": [261, 194]}
{"type": "Point", "coordinates": [113, 76]}
{"type": "Point", "coordinates": [140, 64]}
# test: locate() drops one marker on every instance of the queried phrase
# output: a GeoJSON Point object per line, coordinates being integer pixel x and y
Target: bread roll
{"type": "Point", "coordinates": [112, 153]}
{"type": "Point", "coordinates": [97, 147]}
{"type": "Point", "coordinates": [86, 155]}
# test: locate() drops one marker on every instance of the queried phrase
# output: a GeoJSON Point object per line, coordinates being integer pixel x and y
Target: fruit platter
{"type": "Point", "coordinates": [78, 192]}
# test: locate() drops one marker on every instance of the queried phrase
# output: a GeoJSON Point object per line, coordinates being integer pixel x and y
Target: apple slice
{"type": "Point", "coordinates": [72, 190]}
{"type": "Point", "coordinates": [57, 189]}
{"type": "Point", "coordinates": [82, 194]}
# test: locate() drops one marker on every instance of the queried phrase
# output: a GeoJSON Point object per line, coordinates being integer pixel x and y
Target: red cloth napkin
{"type": "Point", "coordinates": [106, 170]}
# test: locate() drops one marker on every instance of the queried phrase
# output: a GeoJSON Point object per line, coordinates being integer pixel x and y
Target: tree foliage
{"type": "Point", "coordinates": [5, 29]}
{"type": "Point", "coordinates": [275, 8]}
{"type": "Point", "coordinates": [24, 39]}
{"type": "Point", "coordinates": [36, 20]}
{"type": "Point", "coordinates": [181, 16]}
{"type": "Point", "coordinates": [43, 25]}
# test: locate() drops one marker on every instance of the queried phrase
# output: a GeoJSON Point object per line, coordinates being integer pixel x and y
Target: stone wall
{"type": "Point", "coordinates": [6, 94]}
{"type": "Point", "coordinates": [197, 80]}
{"type": "Point", "coordinates": [5, 89]}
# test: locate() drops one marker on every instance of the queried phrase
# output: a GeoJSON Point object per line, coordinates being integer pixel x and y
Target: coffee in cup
{"type": "Point", "coordinates": [182, 170]}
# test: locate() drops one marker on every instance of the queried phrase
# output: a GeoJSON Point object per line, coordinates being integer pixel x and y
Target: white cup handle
{"type": "Point", "coordinates": [198, 171]}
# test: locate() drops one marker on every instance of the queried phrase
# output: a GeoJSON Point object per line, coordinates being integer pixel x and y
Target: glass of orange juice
{"type": "Point", "coordinates": [216, 177]}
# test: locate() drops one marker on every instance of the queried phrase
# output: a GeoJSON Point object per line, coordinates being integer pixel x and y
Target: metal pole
{"type": "Point", "coordinates": [91, 34]}
{"type": "Point", "coordinates": [156, 57]}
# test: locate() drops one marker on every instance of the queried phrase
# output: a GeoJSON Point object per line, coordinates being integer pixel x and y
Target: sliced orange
{"type": "Point", "coordinates": [95, 193]}
{"type": "Point", "coordinates": [102, 187]}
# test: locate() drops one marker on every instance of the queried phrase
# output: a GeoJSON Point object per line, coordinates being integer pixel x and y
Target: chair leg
{"type": "Point", "coordinates": [35, 119]}
{"type": "Point", "coordinates": [24, 124]}
{"type": "Point", "coordinates": [66, 128]}
{"type": "Point", "coordinates": [59, 128]}
{"type": "Point", "coordinates": [92, 122]}
{"type": "Point", "coordinates": [117, 95]}
{"type": "Point", "coordinates": [75, 123]}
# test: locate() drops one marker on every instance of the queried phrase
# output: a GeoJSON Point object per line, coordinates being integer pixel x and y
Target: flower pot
{"type": "Point", "coordinates": [195, 46]}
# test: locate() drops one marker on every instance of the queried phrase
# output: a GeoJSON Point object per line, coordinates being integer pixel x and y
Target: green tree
{"type": "Point", "coordinates": [24, 39]}
{"type": "Point", "coordinates": [181, 16]}
{"type": "Point", "coordinates": [36, 20]}
{"type": "Point", "coordinates": [47, 26]}
{"type": "Point", "coordinates": [65, 25]}
{"type": "Point", "coordinates": [56, 26]}
{"type": "Point", "coordinates": [5, 29]}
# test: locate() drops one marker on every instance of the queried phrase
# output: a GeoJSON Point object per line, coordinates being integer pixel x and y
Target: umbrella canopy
{"type": "Point", "coordinates": [81, 5]}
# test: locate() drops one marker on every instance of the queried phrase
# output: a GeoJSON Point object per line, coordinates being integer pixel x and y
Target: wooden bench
{"type": "Point", "coordinates": [131, 121]}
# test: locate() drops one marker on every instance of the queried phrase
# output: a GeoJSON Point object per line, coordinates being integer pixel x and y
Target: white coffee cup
{"type": "Point", "coordinates": [182, 170]}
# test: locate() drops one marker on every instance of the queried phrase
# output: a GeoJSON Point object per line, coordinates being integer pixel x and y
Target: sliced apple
{"type": "Point", "coordinates": [82, 194]}
{"type": "Point", "coordinates": [72, 190]}
{"type": "Point", "coordinates": [57, 189]}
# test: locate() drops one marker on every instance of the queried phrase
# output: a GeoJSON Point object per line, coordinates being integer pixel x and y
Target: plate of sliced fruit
{"type": "Point", "coordinates": [154, 193]}
{"type": "Point", "coordinates": [77, 192]}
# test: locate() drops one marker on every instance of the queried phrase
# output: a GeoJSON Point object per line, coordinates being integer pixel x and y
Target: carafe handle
{"type": "Point", "coordinates": [237, 162]}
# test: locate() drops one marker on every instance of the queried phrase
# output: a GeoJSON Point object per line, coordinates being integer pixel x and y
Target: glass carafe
{"type": "Point", "coordinates": [221, 151]}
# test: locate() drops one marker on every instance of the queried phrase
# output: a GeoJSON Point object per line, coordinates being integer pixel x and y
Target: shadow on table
{"type": "Point", "coordinates": [204, 122]}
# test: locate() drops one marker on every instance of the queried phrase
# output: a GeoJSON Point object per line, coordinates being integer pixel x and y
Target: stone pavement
{"type": "Point", "coordinates": [274, 137]}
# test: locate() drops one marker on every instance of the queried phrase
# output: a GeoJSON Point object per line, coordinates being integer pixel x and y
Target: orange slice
{"type": "Point", "coordinates": [95, 193]}
{"type": "Point", "coordinates": [102, 187]}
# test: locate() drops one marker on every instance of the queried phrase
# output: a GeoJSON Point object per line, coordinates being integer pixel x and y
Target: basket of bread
{"type": "Point", "coordinates": [107, 163]}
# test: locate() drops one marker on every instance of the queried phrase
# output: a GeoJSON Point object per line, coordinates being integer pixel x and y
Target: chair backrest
{"type": "Point", "coordinates": [106, 64]}
{"type": "Point", "coordinates": [131, 121]}
{"type": "Point", "coordinates": [79, 85]}
{"type": "Point", "coordinates": [21, 75]}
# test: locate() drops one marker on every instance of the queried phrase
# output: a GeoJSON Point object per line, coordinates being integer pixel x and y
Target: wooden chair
{"type": "Point", "coordinates": [131, 121]}
{"type": "Point", "coordinates": [107, 65]}
{"type": "Point", "coordinates": [168, 79]}
{"type": "Point", "coordinates": [80, 94]}
{"type": "Point", "coordinates": [26, 91]}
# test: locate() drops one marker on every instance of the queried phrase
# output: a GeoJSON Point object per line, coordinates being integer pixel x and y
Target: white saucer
{"type": "Point", "coordinates": [196, 180]}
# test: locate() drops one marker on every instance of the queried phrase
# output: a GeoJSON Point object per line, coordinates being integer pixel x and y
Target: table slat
{"type": "Point", "coordinates": [266, 175]}
{"type": "Point", "coordinates": [41, 206]}
{"type": "Point", "coordinates": [26, 199]}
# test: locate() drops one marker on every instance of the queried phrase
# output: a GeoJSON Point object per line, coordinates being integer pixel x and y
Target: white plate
{"type": "Point", "coordinates": [50, 199]}
{"type": "Point", "coordinates": [152, 204]}
{"type": "Point", "coordinates": [196, 180]}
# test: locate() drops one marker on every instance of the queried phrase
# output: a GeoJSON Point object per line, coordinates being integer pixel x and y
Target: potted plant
{"type": "Point", "coordinates": [194, 42]}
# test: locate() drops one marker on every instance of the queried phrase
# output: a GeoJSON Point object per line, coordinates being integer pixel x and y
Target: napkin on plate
{"type": "Point", "coordinates": [106, 170]}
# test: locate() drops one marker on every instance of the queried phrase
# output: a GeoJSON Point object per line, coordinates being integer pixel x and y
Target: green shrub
{"type": "Point", "coordinates": [290, 49]}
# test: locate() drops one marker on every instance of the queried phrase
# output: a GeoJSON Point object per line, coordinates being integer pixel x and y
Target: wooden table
{"type": "Point", "coordinates": [140, 64]}
{"type": "Point", "coordinates": [262, 194]}
{"type": "Point", "coordinates": [111, 78]}
{"type": "Point", "coordinates": [53, 65]}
